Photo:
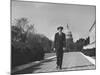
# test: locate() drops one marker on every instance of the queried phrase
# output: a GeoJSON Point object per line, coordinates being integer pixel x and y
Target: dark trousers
{"type": "Point", "coordinates": [59, 55]}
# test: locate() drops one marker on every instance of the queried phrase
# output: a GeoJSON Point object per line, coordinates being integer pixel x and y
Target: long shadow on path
{"type": "Point", "coordinates": [32, 69]}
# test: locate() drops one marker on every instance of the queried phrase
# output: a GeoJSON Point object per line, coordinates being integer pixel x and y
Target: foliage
{"type": "Point", "coordinates": [80, 43]}
{"type": "Point", "coordinates": [89, 52]}
{"type": "Point", "coordinates": [27, 46]}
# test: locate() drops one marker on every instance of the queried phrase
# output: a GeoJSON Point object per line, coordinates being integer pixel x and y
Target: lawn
{"type": "Point", "coordinates": [49, 55]}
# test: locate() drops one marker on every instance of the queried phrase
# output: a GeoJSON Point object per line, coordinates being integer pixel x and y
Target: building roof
{"type": "Point", "coordinates": [92, 26]}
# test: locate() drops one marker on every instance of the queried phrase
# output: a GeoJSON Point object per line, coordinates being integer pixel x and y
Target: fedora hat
{"type": "Point", "coordinates": [60, 27]}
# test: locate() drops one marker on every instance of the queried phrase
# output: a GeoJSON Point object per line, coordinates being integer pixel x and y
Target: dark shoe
{"type": "Point", "coordinates": [57, 67]}
{"type": "Point", "coordinates": [60, 67]}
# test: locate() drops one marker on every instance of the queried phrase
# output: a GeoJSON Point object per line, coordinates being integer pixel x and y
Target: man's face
{"type": "Point", "coordinates": [60, 30]}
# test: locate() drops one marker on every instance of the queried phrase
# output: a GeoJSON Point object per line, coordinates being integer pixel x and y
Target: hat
{"type": "Point", "coordinates": [60, 27]}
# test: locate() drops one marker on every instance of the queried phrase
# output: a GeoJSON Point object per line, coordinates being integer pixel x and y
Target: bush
{"type": "Point", "coordinates": [24, 53]}
{"type": "Point", "coordinates": [27, 46]}
{"type": "Point", "coordinates": [31, 50]}
{"type": "Point", "coordinates": [89, 52]}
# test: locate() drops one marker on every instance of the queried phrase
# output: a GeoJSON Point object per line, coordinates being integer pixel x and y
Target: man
{"type": "Point", "coordinates": [59, 46]}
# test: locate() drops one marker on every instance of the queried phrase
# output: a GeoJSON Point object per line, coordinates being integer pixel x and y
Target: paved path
{"type": "Point", "coordinates": [71, 61]}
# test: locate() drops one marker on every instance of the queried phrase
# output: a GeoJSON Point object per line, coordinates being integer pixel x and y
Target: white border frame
{"type": "Point", "coordinates": [5, 36]}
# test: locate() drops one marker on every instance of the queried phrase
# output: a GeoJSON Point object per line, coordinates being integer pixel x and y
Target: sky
{"type": "Point", "coordinates": [48, 16]}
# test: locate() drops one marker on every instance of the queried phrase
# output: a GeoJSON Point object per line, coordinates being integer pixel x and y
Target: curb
{"type": "Point", "coordinates": [89, 59]}
{"type": "Point", "coordinates": [19, 68]}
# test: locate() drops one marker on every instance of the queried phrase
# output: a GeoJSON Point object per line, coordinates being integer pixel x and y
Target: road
{"type": "Point", "coordinates": [71, 61]}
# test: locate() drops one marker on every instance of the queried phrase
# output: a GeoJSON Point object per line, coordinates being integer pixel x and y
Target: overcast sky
{"type": "Point", "coordinates": [47, 17]}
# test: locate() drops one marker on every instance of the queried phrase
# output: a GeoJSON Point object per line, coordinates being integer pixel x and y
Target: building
{"type": "Point", "coordinates": [92, 37]}
{"type": "Point", "coordinates": [92, 34]}
{"type": "Point", "coordinates": [69, 39]}
{"type": "Point", "coordinates": [90, 49]}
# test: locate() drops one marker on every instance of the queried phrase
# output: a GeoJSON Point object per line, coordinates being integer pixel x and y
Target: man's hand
{"type": "Point", "coordinates": [64, 48]}
{"type": "Point", "coordinates": [54, 49]}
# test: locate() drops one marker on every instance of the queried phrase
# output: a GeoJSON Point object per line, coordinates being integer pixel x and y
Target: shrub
{"type": "Point", "coordinates": [23, 53]}
{"type": "Point", "coordinates": [89, 52]}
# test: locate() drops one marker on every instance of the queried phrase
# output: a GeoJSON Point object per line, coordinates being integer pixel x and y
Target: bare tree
{"type": "Point", "coordinates": [23, 25]}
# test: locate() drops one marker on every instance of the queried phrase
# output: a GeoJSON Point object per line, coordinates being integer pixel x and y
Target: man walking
{"type": "Point", "coordinates": [59, 46]}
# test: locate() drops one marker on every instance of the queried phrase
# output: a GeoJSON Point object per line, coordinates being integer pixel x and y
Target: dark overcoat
{"type": "Point", "coordinates": [59, 41]}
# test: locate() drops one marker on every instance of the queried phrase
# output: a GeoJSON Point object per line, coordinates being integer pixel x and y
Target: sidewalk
{"type": "Point", "coordinates": [71, 61]}
{"type": "Point", "coordinates": [21, 67]}
{"type": "Point", "coordinates": [90, 59]}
